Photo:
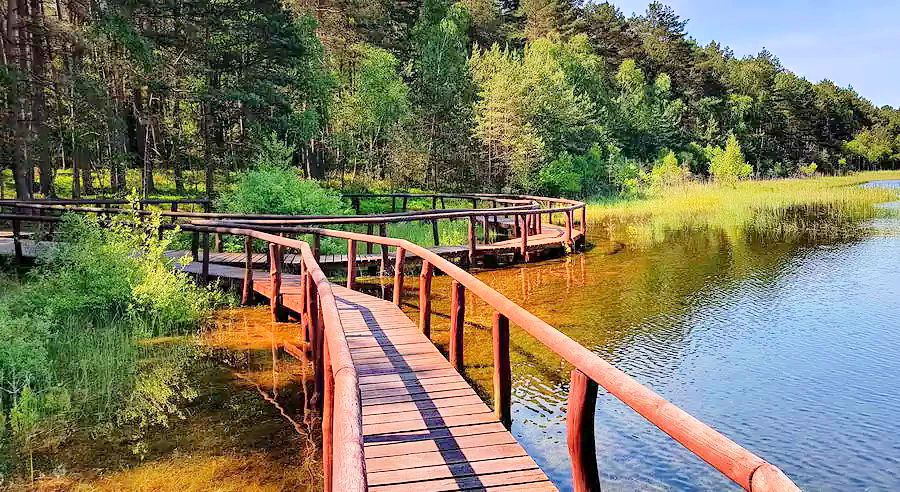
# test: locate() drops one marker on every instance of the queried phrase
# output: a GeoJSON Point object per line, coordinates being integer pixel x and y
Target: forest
{"type": "Point", "coordinates": [550, 96]}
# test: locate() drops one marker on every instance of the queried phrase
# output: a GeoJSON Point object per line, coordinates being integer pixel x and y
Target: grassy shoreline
{"type": "Point", "coordinates": [773, 208]}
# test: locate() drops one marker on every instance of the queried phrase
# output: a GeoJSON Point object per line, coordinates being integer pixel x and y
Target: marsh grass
{"type": "Point", "coordinates": [820, 207]}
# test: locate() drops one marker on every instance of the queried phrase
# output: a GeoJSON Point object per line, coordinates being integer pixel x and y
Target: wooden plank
{"type": "Point", "coordinates": [455, 471]}
{"type": "Point", "coordinates": [443, 456]}
{"type": "Point", "coordinates": [530, 479]}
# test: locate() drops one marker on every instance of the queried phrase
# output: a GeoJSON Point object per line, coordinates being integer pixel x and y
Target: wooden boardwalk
{"type": "Point", "coordinates": [424, 426]}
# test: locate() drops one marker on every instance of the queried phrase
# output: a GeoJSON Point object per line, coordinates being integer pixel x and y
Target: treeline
{"type": "Point", "coordinates": [535, 95]}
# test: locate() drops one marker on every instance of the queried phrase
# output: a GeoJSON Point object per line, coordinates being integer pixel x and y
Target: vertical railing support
{"type": "Point", "coordinates": [247, 292]}
{"type": "Point", "coordinates": [17, 240]}
{"type": "Point", "coordinates": [317, 247]}
{"type": "Point", "coordinates": [584, 222]}
{"type": "Point", "coordinates": [502, 370]}
{"type": "Point", "coordinates": [328, 421]}
{"type": "Point", "coordinates": [486, 229]}
{"type": "Point", "coordinates": [204, 276]}
{"type": "Point", "coordinates": [400, 258]}
{"type": "Point", "coordinates": [580, 433]}
{"type": "Point", "coordinates": [195, 246]}
{"type": "Point", "coordinates": [319, 358]}
{"type": "Point", "coordinates": [382, 231]}
{"type": "Point", "coordinates": [370, 229]}
{"type": "Point", "coordinates": [457, 322]}
{"type": "Point", "coordinates": [434, 232]}
{"type": "Point", "coordinates": [425, 298]}
{"type": "Point", "coordinates": [524, 246]}
{"type": "Point", "coordinates": [473, 242]}
{"type": "Point", "coordinates": [275, 279]}
{"type": "Point", "coordinates": [569, 229]}
{"type": "Point", "coordinates": [351, 264]}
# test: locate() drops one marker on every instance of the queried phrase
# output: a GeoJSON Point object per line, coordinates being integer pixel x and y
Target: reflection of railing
{"type": "Point", "coordinates": [738, 464]}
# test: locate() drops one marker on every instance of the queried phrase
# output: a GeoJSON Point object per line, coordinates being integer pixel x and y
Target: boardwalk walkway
{"type": "Point", "coordinates": [424, 426]}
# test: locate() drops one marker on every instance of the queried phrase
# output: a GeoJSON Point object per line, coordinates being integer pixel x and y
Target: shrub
{"type": "Point", "coordinates": [667, 173]}
{"type": "Point", "coordinates": [272, 186]}
{"type": "Point", "coordinates": [808, 170]}
{"type": "Point", "coordinates": [560, 177]}
{"type": "Point", "coordinates": [727, 165]}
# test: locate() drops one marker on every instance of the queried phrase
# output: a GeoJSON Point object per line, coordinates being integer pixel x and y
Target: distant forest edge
{"type": "Point", "coordinates": [549, 96]}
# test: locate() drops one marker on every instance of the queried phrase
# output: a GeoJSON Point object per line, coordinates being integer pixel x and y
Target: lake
{"type": "Point", "coordinates": [790, 348]}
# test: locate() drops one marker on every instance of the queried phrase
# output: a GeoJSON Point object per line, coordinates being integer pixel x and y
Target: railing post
{"type": "Point", "coordinates": [580, 432]}
{"type": "Point", "coordinates": [404, 203]}
{"type": "Point", "coordinates": [247, 293]}
{"type": "Point", "coordinates": [217, 241]}
{"type": "Point", "coordinates": [457, 322]}
{"type": "Point", "coordinates": [319, 358]}
{"type": "Point", "coordinates": [195, 246]}
{"type": "Point", "coordinates": [17, 240]}
{"type": "Point", "coordinates": [393, 203]}
{"type": "Point", "coordinates": [275, 279]}
{"type": "Point", "coordinates": [370, 229]}
{"type": "Point", "coordinates": [502, 370]}
{"type": "Point", "coordinates": [328, 421]}
{"type": "Point", "coordinates": [486, 226]}
{"type": "Point", "coordinates": [382, 231]}
{"type": "Point", "coordinates": [317, 247]}
{"type": "Point", "coordinates": [473, 243]}
{"type": "Point", "coordinates": [398, 275]}
{"type": "Point", "coordinates": [425, 298]}
{"type": "Point", "coordinates": [524, 246]}
{"type": "Point", "coordinates": [584, 221]}
{"type": "Point", "coordinates": [569, 229]}
{"type": "Point", "coordinates": [205, 272]}
{"type": "Point", "coordinates": [351, 264]}
{"type": "Point", "coordinates": [434, 232]}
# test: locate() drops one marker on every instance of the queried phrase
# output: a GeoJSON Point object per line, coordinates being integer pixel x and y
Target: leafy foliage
{"type": "Point", "coordinates": [727, 165]}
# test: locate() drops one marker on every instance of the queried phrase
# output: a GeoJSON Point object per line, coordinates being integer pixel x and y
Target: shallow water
{"type": "Point", "coordinates": [792, 349]}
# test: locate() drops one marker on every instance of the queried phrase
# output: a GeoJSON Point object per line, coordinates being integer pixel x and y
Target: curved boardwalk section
{"type": "Point", "coordinates": [396, 414]}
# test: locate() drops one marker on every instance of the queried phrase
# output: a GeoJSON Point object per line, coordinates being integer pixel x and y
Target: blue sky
{"type": "Point", "coordinates": [851, 43]}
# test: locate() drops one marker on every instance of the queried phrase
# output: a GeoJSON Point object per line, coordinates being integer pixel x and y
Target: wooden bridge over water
{"type": "Point", "coordinates": [396, 413]}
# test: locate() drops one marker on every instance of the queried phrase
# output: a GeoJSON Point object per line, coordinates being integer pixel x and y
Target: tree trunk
{"type": "Point", "coordinates": [16, 115]}
{"type": "Point", "coordinates": [39, 102]}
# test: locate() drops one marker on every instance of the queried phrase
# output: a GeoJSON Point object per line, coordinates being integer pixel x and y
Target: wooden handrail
{"type": "Point", "coordinates": [737, 463]}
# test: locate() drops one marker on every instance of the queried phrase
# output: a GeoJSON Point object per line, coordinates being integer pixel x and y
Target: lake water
{"type": "Point", "coordinates": [792, 349]}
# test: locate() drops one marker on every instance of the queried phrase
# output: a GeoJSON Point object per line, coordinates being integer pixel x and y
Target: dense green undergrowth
{"type": "Point", "coordinates": [79, 346]}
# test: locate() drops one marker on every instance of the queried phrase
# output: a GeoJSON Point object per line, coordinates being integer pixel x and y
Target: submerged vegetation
{"type": "Point", "coordinates": [773, 209]}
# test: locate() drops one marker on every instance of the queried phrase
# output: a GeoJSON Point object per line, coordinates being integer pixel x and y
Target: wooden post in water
{"type": "Point", "coordinates": [584, 222]}
{"type": "Point", "coordinates": [457, 322]}
{"type": "Point", "coordinates": [275, 278]}
{"type": "Point", "coordinates": [473, 243]}
{"type": "Point", "coordinates": [351, 264]}
{"type": "Point", "coordinates": [247, 292]}
{"type": "Point", "coordinates": [502, 370]}
{"type": "Point", "coordinates": [569, 229]}
{"type": "Point", "coordinates": [425, 298]}
{"type": "Point", "coordinates": [398, 275]}
{"type": "Point", "coordinates": [580, 432]}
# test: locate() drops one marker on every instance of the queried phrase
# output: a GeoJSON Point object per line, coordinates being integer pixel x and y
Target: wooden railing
{"type": "Point", "coordinates": [590, 370]}
{"type": "Point", "coordinates": [337, 391]}
{"type": "Point", "coordinates": [337, 379]}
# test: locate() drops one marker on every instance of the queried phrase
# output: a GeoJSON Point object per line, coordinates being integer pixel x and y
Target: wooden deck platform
{"type": "Point", "coordinates": [424, 427]}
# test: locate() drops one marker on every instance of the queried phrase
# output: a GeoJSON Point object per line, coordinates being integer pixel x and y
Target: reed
{"type": "Point", "coordinates": [821, 206]}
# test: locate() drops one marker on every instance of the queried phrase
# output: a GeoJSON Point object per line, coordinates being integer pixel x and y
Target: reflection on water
{"type": "Point", "coordinates": [789, 348]}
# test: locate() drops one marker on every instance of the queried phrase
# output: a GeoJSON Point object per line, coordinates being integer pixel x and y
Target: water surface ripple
{"type": "Point", "coordinates": [792, 349]}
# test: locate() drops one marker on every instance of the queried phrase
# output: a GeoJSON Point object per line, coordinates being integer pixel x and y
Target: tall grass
{"type": "Point", "coordinates": [776, 208]}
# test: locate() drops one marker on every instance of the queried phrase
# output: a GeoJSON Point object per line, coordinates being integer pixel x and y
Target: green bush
{"type": "Point", "coordinates": [272, 186]}
{"type": "Point", "coordinates": [667, 173]}
{"type": "Point", "coordinates": [70, 348]}
{"type": "Point", "coordinates": [727, 165]}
